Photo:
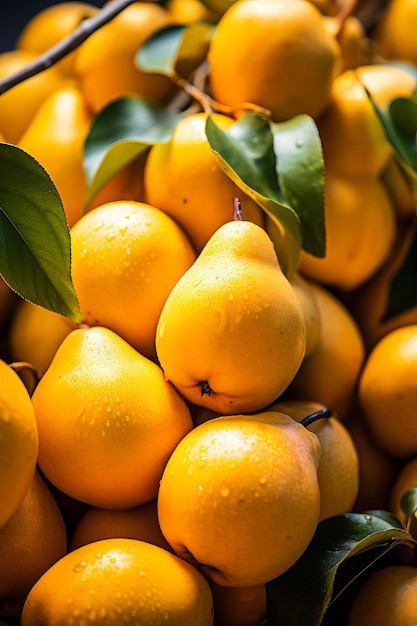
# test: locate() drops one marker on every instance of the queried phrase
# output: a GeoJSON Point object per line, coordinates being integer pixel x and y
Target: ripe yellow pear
{"type": "Point", "coordinates": [18, 442]}
{"type": "Point", "coordinates": [33, 539]}
{"type": "Point", "coordinates": [274, 53]}
{"type": "Point", "coordinates": [107, 420]}
{"type": "Point", "coordinates": [231, 335]}
{"type": "Point", "coordinates": [239, 497]}
{"type": "Point", "coordinates": [55, 137]}
{"type": "Point", "coordinates": [120, 581]}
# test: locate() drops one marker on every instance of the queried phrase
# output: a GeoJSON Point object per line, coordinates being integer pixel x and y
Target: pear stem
{"type": "Point", "coordinates": [313, 417]}
{"type": "Point", "coordinates": [237, 210]}
{"type": "Point", "coordinates": [19, 366]}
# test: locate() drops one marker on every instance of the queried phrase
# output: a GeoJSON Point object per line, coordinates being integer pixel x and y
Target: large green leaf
{"type": "Point", "coordinates": [307, 588]}
{"type": "Point", "coordinates": [300, 169]}
{"type": "Point", "coordinates": [246, 153]}
{"type": "Point", "coordinates": [121, 132]}
{"type": "Point", "coordinates": [175, 50]}
{"type": "Point", "coordinates": [35, 248]}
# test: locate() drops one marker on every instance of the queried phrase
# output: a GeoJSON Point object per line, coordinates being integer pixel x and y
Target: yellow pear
{"type": "Point", "coordinates": [239, 497]}
{"type": "Point", "coordinates": [55, 137]}
{"type": "Point", "coordinates": [107, 420]}
{"type": "Point", "coordinates": [18, 442]}
{"type": "Point", "coordinates": [231, 335]}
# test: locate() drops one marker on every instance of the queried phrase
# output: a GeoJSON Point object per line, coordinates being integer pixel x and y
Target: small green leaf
{"type": "Point", "coordinates": [175, 50]}
{"type": "Point", "coordinates": [399, 121]}
{"type": "Point", "coordinates": [401, 297]}
{"type": "Point", "coordinates": [35, 248]}
{"type": "Point", "coordinates": [336, 540]}
{"type": "Point", "coordinates": [409, 502]}
{"type": "Point", "coordinates": [246, 153]}
{"type": "Point", "coordinates": [300, 169]}
{"type": "Point", "coordinates": [121, 132]}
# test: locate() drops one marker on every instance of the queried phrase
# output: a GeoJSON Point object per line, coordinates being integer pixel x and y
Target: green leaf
{"type": "Point", "coordinates": [402, 293]}
{"type": "Point", "coordinates": [175, 50]}
{"type": "Point", "coordinates": [121, 132]}
{"type": "Point", "coordinates": [337, 540]}
{"type": "Point", "coordinates": [399, 121]}
{"type": "Point", "coordinates": [409, 502]}
{"type": "Point", "coordinates": [246, 153]}
{"type": "Point", "coordinates": [35, 248]}
{"type": "Point", "coordinates": [300, 169]}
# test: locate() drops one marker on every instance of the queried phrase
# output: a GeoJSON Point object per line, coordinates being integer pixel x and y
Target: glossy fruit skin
{"type": "Point", "coordinates": [120, 579]}
{"type": "Point", "coordinates": [126, 258]}
{"type": "Point", "coordinates": [353, 140]}
{"type": "Point", "coordinates": [338, 471]}
{"type": "Point", "coordinates": [105, 65]}
{"type": "Point", "coordinates": [229, 472]}
{"type": "Point", "coordinates": [55, 137]}
{"type": "Point", "coordinates": [31, 541]}
{"type": "Point", "coordinates": [52, 24]}
{"type": "Point", "coordinates": [231, 335]}
{"type": "Point", "coordinates": [107, 420]}
{"type": "Point", "coordinates": [19, 104]}
{"type": "Point", "coordinates": [35, 334]}
{"type": "Point", "coordinates": [18, 442]}
{"type": "Point", "coordinates": [405, 479]}
{"type": "Point", "coordinates": [140, 522]}
{"type": "Point", "coordinates": [184, 178]}
{"type": "Point", "coordinates": [388, 394]}
{"type": "Point", "coordinates": [361, 228]}
{"type": "Point", "coordinates": [309, 306]}
{"type": "Point", "coordinates": [395, 32]}
{"type": "Point", "coordinates": [286, 63]}
{"type": "Point", "coordinates": [388, 596]}
{"type": "Point", "coordinates": [370, 301]}
{"type": "Point", "coordinates": [330, 373]}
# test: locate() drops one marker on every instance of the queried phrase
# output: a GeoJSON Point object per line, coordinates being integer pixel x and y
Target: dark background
{"type": "Point", "coordinates": [15, 15]}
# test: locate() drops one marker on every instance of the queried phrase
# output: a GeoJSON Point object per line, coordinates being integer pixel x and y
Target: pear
{"type": "Point", "coordinates": [107, 420]}
{"type": "Point", "coordinates": [239, 497]}
{"type": "Point", "coordinates": [231, 335]}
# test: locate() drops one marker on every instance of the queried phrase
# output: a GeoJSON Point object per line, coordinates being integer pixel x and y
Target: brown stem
{"type": "Point", "coordinates": [347, 9]}
{"type": "Point", "coordinates": [66, 45]}
{"type": "Point", "coordinates": [210, 105]}
{"type": "Point", "coordinates": [313, 417]}
{"type": "Point", "coordinates": [237, 210]}
{"type": "Point", "coordinates": [19, 366]}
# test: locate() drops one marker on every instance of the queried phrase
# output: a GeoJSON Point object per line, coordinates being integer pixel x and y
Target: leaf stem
{"type": "Point", "coordinates": [66, 45]}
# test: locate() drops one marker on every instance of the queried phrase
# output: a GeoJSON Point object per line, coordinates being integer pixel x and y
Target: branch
{"type": "Point", "coordinates": [66, 45]}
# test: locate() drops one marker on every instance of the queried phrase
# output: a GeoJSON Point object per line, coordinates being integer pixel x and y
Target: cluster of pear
{"type": "Point", "coordinates": [162, 468]}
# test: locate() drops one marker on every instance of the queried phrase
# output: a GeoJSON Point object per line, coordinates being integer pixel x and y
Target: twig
{"type": "Point", "coordinates": [66, 45]}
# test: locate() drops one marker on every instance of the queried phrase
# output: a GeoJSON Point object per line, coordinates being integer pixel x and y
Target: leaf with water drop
{"type": "Point", "coordinates": [354, 542]}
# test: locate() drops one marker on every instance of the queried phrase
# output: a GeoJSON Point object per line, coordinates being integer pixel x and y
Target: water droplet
{"type": "Point", "coordinates": [202, 461]}
{"type": "Point", "coordinates": [299, 142]}
{"type": "Point", "coordinates": [368, 517]}
{"type": "Point", "coordinates": [224, 491]}
{"type": "Point", "coordinates": [80, 567]}
{"type": "Point", "coordinates": [110, 236]}
{"type": "Point", "coordinates": [262, 480]}
{"type": "Point", "coordinates": [84, 253]}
